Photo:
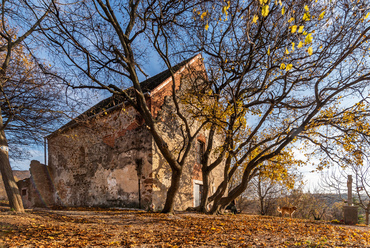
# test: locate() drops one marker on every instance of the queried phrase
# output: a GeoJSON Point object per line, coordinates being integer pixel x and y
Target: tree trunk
{"type": "Point", "coordinates": [218, 207]}
{"type": "Point", "coordinates": [367, 216]}
{"type": "Point", "coordinates": [223, 202]}
{"type": "Point", "coordinates": [262, 206]}
{"type": "Point", "coordinates": [11, 188]}
{"type": "Point", "coordinates": [171, 193]}
{"type": "Point", "coordinates": [204, 199]}
{"type": "Point", "coordinates": [260, 196]}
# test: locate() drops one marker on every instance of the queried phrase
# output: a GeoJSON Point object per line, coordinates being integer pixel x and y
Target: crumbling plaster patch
{"type": "Point", "coordinates": [106, 175]}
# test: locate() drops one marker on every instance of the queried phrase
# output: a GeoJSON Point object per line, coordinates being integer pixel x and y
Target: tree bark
{"type": "Point", "coordinates": [204, 198]}
{"type": "Point", "coordinates": [217, 205]}
{"type": "Point", "coordinates": [367, 210]}
{"type": "Point", "coordinates": [171, 193]}
{"type": "Point", "coordinates": [11, 188]}
{"type": "Point", "coordinates": [262, 206]}
{"type": "Point", "coordinates": [259, 190]}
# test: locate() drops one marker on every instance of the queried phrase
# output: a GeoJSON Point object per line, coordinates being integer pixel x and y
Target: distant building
{"type": "Point", "coordinates": [37, 190]}
{"type": "Point", "coordinates": [18, 175]}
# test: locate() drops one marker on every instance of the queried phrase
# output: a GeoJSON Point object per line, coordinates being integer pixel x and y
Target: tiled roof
{"type": "Point", "coordinates": [153, 82]}
{"type": "Point", "coordinates": [107, 104]}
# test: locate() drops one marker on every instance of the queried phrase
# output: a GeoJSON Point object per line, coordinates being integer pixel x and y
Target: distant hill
{"type": "Point", "coordinates": [18, 175]}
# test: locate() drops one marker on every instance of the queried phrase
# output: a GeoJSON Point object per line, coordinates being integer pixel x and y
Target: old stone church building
{"type": "Point", "coordinates": [107, 157]}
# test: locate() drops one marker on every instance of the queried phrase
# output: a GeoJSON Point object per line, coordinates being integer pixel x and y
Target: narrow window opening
{"type": "Point", "coordinates": [200, 151]}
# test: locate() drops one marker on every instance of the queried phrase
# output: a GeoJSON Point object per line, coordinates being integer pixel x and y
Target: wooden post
{"type": "Point", "coordinates": [350, 212]}
{"type": "Point", "coordinates": [349, 187]}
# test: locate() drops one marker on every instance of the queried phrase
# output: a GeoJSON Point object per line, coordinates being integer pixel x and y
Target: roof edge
{"type": "Point", "coordinates": [74, 122]}
{"type": "Point", "coordinates": [169, 79]}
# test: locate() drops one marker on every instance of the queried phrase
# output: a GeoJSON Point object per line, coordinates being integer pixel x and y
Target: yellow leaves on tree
{"type": "Point", "coordinates": [309, 50]}
{"type": "Point", "coordinates": [306, 16]}
{"type": "Point", "coordinates": [21, 61]}
{"type": "Point", "coordinates": [308, 38]}
{"type": "Point", "coordinates": [278, 169]}
{"type": "Point", "coordinates": [203, 15]}
{"type": "Point", "coordinates": [225, 8]}
{"type": "Point", "coordinates": [300, 30]}
{"type": "Point", "coordinates": [286, 67]}
{"type": "Point", "coordinates": [289, 67]}
{"type": "Point", "coordinates": [255, 18]}
{"type": "Point", "coordinates": [265, 10]}
{"type": "Point", "coordinates": [283, 11]}
{"type": "Point", "coordinates": [321, 16]}
{"type": "Point", "coordinates": [348, 143]}
{"type": "Point", "coordinates": [294, 29]}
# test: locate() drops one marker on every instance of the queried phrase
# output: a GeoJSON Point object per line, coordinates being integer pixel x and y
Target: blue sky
{"type": "Point", "coordinates": [154, 67]}
{"type": "Point", "coordinates": [37, 152]}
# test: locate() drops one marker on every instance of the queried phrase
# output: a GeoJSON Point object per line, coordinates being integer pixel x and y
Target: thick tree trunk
{"type": "Point", "coordinates": [217, 205]}
{"type": "Point", "coordinates": [262, 206]}
{"type": "Point", "coordinates": [11, 188]}
{"type": "Point", "coordinates": [172, 191]}
{"type": "Point", "coordinates": [221, 203]}
{"type": "Point", "coordinates": [204, 200]}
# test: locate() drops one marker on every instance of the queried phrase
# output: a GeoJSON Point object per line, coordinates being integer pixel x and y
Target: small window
{"type": "Point", "coordinates": [24, 191]}
{"type": "Point", "coordinates": [200, 151]}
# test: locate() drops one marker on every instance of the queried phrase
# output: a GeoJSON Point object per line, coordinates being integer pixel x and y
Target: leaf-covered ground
{"type": "Point", "coordinates": [125, 228]}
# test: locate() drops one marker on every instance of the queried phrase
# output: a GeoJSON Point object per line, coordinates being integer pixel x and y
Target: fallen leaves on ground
{"type": "Point", "coordinates": [127, 228]}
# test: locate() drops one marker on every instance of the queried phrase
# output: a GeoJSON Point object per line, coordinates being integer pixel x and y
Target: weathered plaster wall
{"type": "Point", "coordinates": [191, 171]}
{"type": "Point", "coordinates": [37, 190]}
{"type": "Point", "coordinates": [98, 163]}
{"type": "Point", "coordinates": [170, 127]}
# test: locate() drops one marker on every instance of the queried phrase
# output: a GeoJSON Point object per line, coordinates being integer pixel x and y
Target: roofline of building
{"type": "Point", "coordinates": [125, 103]}
{"type": "Point", "coordinates": [169, 79]}
{"type": "Point", "coordinates": [109, 110]}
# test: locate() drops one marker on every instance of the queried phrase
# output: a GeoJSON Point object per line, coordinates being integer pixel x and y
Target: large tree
{"type": "Point", "coordinates": [30, 100]}
{"type": "Point", "coordinates": [280, 73]}
{"type": "Point", "coordinates": [108, 42]}
{"type": "Point", "coordinates": [289, 71]}
{"type": "Point", "coordinates": [11, 40]}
